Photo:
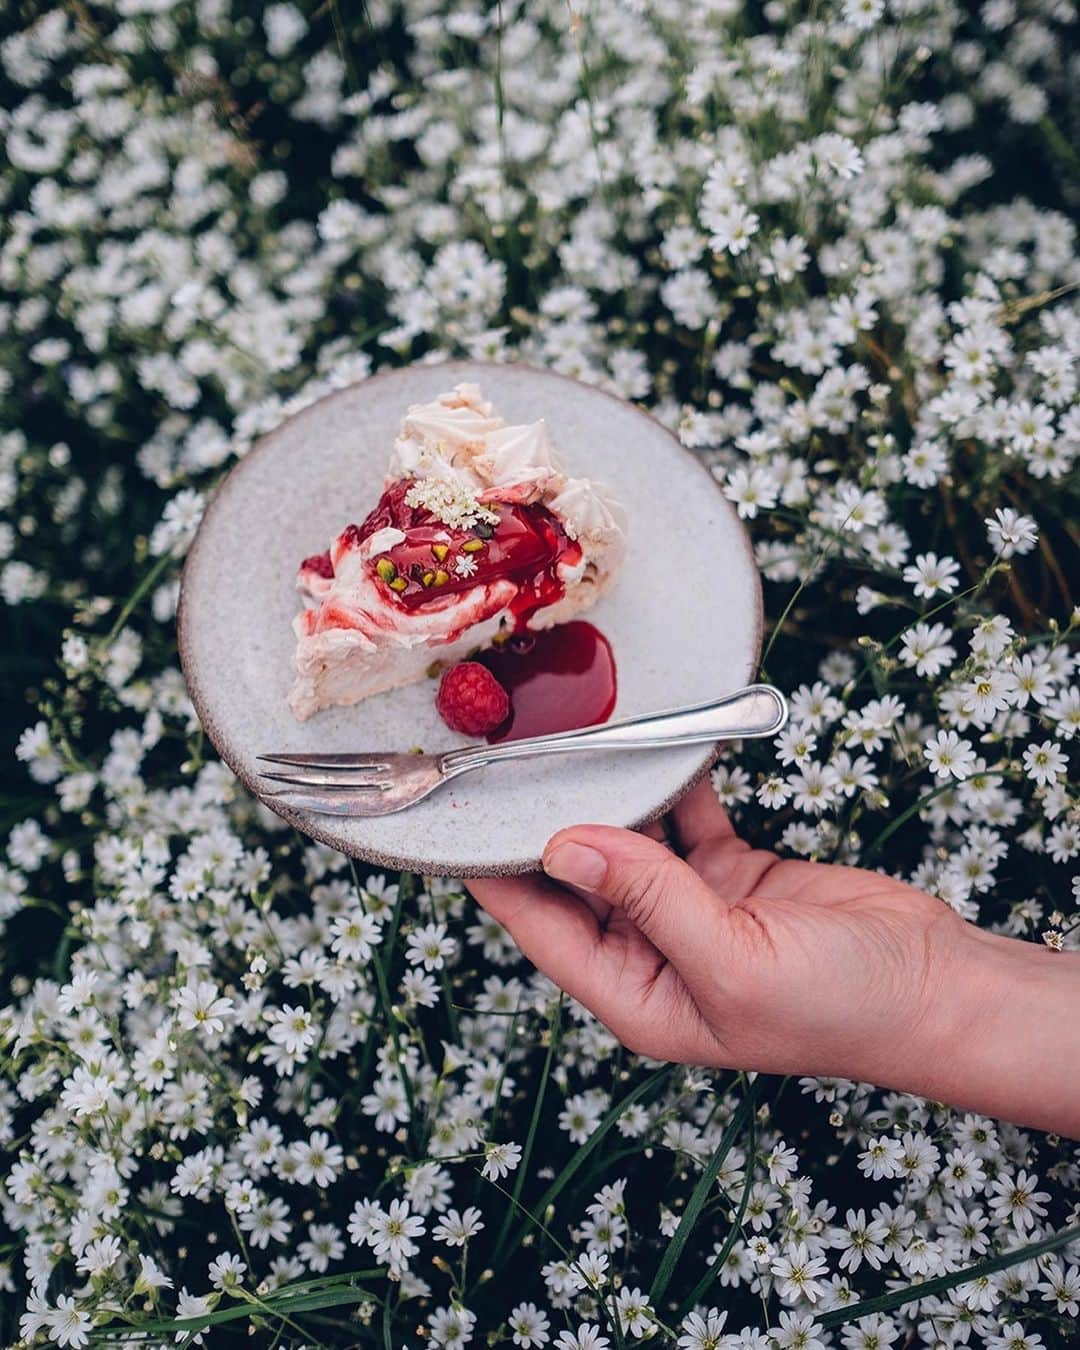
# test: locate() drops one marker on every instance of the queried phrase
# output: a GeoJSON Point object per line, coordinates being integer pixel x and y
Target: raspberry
{"type": "Point", "coordinates": [471, 700]}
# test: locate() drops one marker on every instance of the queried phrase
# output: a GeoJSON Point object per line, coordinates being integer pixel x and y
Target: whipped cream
{"type": "Point", "coordinates": [432, 436]}
{"type": "Point", "coordinates": [589, 513]}
{"type": "Point", "coordinates": [518, 463]}
{"type": "Point", "coordinates": [382, 541]}
{"type": "Point", "coordinates": [461, 438]}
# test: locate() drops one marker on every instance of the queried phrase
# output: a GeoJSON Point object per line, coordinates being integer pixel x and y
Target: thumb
{"type": "Point", "coordinates": [662, 896]}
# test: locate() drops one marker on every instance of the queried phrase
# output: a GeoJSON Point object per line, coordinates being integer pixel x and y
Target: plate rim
{"type": "Point", "coordinates": [301, 820]}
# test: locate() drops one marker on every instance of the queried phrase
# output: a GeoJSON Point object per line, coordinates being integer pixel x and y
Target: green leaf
{"type": "Point", "coordinates": [717, 1264]}
{"type": "Point", "coordinates": [305, 1301]}
{"type": "Point", "coordinates": [589, 1146]}
{"type": "Point", "coordinates": [554, 1037]}
{"type": "Point", "coordinates": [943, 1283]}
{"type": "Point", "coordinates": [700, 1194]}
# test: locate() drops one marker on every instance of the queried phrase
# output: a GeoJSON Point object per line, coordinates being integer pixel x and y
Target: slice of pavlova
{"type": "Point", "coordinates": [478, 535]}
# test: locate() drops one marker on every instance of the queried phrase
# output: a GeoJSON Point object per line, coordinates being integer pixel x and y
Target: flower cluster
{"type": "Point", "coordinates": [249, 1089]}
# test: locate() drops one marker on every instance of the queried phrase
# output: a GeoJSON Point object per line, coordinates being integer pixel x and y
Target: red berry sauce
{"type": "Point", "coordinates": [558, 680]}
{"type": "Point", "coordinates": [320, 564]}
{"type": "Point", "coordinates": [526, 545]}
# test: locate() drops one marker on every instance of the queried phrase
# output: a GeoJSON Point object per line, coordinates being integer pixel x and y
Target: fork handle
{"type": "Point", "coordinates": [758, 710]}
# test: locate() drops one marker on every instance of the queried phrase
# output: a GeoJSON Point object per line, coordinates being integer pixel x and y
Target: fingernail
{"type": "Point", "coordinates": [576, 865]}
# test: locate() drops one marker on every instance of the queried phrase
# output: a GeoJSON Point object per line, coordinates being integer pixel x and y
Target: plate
{"type": "Point", "coordinates": [684, 617]}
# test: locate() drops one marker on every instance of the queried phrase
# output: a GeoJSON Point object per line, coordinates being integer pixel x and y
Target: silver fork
{"type": "Point", "coordinates": [377, 784]}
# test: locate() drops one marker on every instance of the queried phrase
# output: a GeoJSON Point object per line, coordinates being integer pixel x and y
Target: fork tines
{"type": "Point", "coordinates": [355, 772]}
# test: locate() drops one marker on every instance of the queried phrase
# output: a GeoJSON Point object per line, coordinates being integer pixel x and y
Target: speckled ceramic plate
{"type": "Point", "coordinates": [683, 617]}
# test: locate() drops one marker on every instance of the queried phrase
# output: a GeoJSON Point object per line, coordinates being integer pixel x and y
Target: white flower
{"type": "Point", "coordinates": [863, 14]}
{"type": "Point", "coordinates": [580, 1116]}
{"type": "Point", "coordinates": [67, 1324]}
{"type": "Point", "coordinates": [963, 1172]}
{"type": "Point", "coordinates": [200, 1008]}
{"type": "Point", "coordinates": [356, 935]}
{"type": "Point", "coordinates": [465, 565]}
{"type": "Point", "coordinates": [100, 1256]}
{"type": "Point", "coordinates": [796, 1332]}
{"type": "Point", "coordinates": [391, 1233]}
{"type": "Point", "coordinates": [499, 1160]}
{"type": "Point", "coordinates": [635, 1315]}
{"type": "Point", "coordinates": [292, 1028]}
{"type": "Point", "coordinates": [796, 1272]}
{"type": "Point", "coordinates": [861, 1240]}
{"type": "Point", "coordinates": [1045, 763]}
{"type": "Point", "coordinates": [226, 1271]}
{"type": "Point", "coordinates": [150, 1276]}
{"type": "Point", "coordinates": [429, 946]}
{"type": "Point", "coordinates": [732, 228]}
{"type": "Point", "coordinates": [317, 1160]}
{"type": "Point", "coordinates": [928, 575]}
{"type": "Point", "coordinates": [456, 1229]}
{"type": "Point", "coordinates": [1016, 1200]}
{"type": "Point", "coordinates": [529, 1326]}
{"type": "Point", "coordinates": [452, 1328]}
{"type": "Point", "coordinates": [1011, 533]}
{"type": "Point", "coordinates": [36, 751]}
{"type": "Point", "coordinates": [587, 1337]}
{"type": "Point", "coordinates": [752, 488]}
{"type": "Point", "coordinates": [448, 500]}
{"type": "Point", "coordinates": [927, 647]}
{"type": "Point", "coordinates": [881, 1157]}
{"type": "Point", "coordinates": [702, 1331]}
{"type": "Point", "coordinates": [948, 755]}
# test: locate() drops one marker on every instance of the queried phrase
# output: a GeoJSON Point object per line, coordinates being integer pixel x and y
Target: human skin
{"type": "Point", "coordinates": [731, 957]}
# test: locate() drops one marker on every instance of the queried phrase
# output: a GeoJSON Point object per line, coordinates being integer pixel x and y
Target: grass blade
{"type": "Point", "coordinates": [700, 1194]}
{"type": "Point", "coordinates": [941, 1284]}
{"type": "Point", "coordinates": [589, 1146]}
{"type": "Point", "coordinates": [717, 1263]}
{"type": "Point", "coordinates": [554, 1037]}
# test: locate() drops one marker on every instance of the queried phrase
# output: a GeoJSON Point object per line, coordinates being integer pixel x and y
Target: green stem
{"type": "Point", "coordinates": [904, 816]}
{"type": "Point", "coordinates": [554, 1036]}
{"type": "Point", "coordinates": [448, 999]}
{"type": "Point", "coordinates": [384, 996]}
{"type": "Point", "coordinates": [137, 594]}
{"type": "Point", "coordinates": [592, 1143]}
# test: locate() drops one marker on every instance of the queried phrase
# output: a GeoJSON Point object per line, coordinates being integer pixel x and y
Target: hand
{"type": "Point", "coordinates": [730, 956]}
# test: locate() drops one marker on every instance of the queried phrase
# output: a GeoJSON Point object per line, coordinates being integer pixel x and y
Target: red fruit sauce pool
{"type": "Point", "coordinates": [558, 680]}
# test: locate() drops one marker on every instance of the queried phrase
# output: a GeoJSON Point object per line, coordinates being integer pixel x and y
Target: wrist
{"type": "Point", "coordinates": [1000, 1034]}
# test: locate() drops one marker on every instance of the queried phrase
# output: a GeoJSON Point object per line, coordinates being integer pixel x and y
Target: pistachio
{"type": "Point", "coordinates": [483, 530]}
{"type": "Point", "coordinates": [434, 670]}
{"type": "Point", "coordinates": [440, 578]}
{"type": "Point", "coordinates": [386, 570]}
{"type": "Point", "coordinates": [428, 578]}
{"type": "Point", "coordinates": [399, 584]}
{"type": "Point", "coordinates": [473, 546]}
{"type": "Point", "coordinates": [440, 551]}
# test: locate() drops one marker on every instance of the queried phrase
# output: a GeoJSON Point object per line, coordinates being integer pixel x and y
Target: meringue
{"type": "Point", "coordinates": [479, 532]}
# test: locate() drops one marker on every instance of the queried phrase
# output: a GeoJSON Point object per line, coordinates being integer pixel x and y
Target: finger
{"type": "Point", "coordinates": [558, 932]}
{"type": "Point", "coordinates": [662, 896]}
{"type": "Point", "coordinates": [619, 976]}
{"type": "Point", "coordinates": [699, 818]}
